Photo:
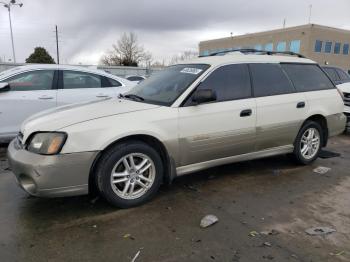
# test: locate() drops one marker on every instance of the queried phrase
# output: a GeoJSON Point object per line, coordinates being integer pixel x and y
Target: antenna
{"type": "Point", "coordinates": [310, 13]}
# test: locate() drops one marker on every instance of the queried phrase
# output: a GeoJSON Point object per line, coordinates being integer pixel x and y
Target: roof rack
{"type": "Point", "coordinates": [255, 51]}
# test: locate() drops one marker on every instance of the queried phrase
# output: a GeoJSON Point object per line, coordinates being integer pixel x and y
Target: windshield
{"type": "Point", "coordinates": [165, 86]}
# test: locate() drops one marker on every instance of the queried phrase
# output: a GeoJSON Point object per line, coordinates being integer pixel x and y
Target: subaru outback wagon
{"type": "Point", "coordinates": [210, 111]}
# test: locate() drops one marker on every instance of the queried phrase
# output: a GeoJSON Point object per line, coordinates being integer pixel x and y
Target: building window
{"type": "Point", "coordinates": [328, 47]}
{"type": "Point", "coordinates": [318, 46]}
{"type": "Point", "coordinates": [295, 46]}
{"type": "Point", "coordinates": [269, 47]}
{"type": "Point", "coordinates": [337, 48]}
{"type": "Point", "coordinates": [346, 49]}
{"type": "Point", "coordinates": [258, 47]}
{"type": "Point", "coordinates": [281, 46]}
{"type": "Point", "coordinates": [205, 53]}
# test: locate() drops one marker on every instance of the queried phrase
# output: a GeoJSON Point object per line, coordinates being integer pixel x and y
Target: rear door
{"type": "Point", "coordinates": [223, 128]}
{"type": "Point", "coordinates": [280, 109]}
{"type": "Point", "coordinates": [30, 92]}
{"type": "Point", "coordinates": [78, 86]}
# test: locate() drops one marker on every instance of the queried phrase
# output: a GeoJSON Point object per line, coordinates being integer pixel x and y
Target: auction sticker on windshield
{"type": "Point", "coordinates": [191, 70]}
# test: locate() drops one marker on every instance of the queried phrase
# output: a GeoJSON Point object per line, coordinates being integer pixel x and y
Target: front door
{"type": "Point", "coordinates": [223, 128]}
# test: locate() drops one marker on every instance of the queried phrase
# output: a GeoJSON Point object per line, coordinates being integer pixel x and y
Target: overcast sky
{"type": "Point", "coordinates": [87, 28]}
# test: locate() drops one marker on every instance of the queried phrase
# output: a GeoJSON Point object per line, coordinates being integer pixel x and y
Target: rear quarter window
{"type": "Point", "coordinates": [306, 77]}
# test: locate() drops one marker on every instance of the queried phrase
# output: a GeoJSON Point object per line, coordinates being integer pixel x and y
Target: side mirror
{"type": "Point", "coordinates": [203, 96]}
{"type": "Point", "coordinates": [4, 86]}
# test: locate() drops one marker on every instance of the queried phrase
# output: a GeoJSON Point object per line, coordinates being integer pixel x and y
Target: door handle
{"type": "Point", "coordinates": [246, 112]}
{"type": "Point", "coordinates": [45, 97]}
{"type": "Point", "coordinates": [301, 105]}
{"type": "Point", "coordinates": [102, 96]}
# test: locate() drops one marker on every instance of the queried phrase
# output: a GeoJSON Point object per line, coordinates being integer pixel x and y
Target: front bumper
{"type": "Point", "coordinates": [51, 176]}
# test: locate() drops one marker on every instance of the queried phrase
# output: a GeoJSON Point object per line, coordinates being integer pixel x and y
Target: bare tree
{"type": "Point", "coordinates": [186, 55]}
{"type": "Point", "coordinates": [126, 52]}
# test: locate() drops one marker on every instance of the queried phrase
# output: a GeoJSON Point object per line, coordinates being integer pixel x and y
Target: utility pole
{"type": "Point", "coordinates": [8, 7]}
{"type": "Point", "coordinates": [310, 13]}
{"type": "Point", "coordinates": [284, 23]}
{"type": "Point", "coordinates": [58, 54]}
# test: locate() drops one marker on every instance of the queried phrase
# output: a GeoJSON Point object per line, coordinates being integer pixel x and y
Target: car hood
{"type": "Point", "coordinates": [345, 88]}
{"type": "Point", "coordinates": [60, 117]}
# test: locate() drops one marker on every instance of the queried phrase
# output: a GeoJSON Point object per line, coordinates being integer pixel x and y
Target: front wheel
{"type": "Point", "coordinates": [129, 174]}
{"type": "Point", "coordinates": [308, 143]}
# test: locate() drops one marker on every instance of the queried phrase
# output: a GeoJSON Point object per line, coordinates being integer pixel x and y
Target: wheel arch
{"type": "Point", "coordinates": [322, 120]}
{"type": "Point", "coordinates": [168, 162]}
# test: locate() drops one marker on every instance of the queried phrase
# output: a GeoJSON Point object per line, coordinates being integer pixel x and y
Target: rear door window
{"type": "Point", "coordinates": [306, 77]}
{"type": "Point", "coordinates": [76, 79]}
{"type": "Point", "coordinates": [269, 80]}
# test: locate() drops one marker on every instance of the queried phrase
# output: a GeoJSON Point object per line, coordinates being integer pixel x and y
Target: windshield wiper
{"type": "Point", "coordinates": [133, 97]}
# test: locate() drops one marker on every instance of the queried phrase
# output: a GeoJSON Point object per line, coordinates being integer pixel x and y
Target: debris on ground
{"type": "Point", "coordinates": [266, 244]}
{"type": "Point", "coordinates": [253, 234]}
{"type": "Point", "coordinates": [208, 220]}
{"type": "Point", "coordinates": [129, 236]}
{"type": "Point", "coordinates": [294, 256]}
{"type": "Point", "coordinates": [317, 231]}
{"type": "Point", "coordinates": [321, 170]}
{"type": "Point", "coordinates": [136, 256]}
{"type": "Point", "coordinates": [272, 232]}
{"type": "Point", "coordinates": [338, 253]}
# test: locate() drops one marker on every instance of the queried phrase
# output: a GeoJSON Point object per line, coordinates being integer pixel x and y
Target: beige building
{"type": "Point", "coordinates": [326, 45]}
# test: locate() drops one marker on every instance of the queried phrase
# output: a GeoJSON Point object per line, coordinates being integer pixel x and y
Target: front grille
{"type": "Point", "coordinates": [347, 99]}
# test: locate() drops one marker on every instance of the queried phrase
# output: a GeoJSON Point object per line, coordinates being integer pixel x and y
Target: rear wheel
{"type": "Point", "coordinates": [129, 174]}
{"type": "Point", "coordinates": [308, 143]}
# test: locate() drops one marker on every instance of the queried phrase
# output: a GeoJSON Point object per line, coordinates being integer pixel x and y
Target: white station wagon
{"type": "Point", "coordinates": [29, 89]}
{"type": "Point", "coordinates": [206, 112]}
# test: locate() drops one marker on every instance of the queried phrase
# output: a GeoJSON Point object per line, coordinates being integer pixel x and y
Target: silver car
{"type": "Point", "coordinates": [206, 112]}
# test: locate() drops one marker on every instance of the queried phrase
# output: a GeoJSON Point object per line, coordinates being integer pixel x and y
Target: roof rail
{"type": "Point", "coordinates": [255, 51]}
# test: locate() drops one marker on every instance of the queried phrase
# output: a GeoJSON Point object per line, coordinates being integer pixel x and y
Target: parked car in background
{"type": "Point", "coordinates": [188, 117]}
{"type": "Point", "coordinates": [136, 79]}
{"type": "Point", "coordinates": [345, 89]}
{"type": "Point", "coordinates": [338, 75]}
{"type": "Point", "coordinates": [26, 90]}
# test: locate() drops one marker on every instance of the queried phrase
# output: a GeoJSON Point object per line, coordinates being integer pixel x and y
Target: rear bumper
{"type": "Point", "coordinates": [336, 124]}
{"type": "Point", "coordinates": [51, 176]}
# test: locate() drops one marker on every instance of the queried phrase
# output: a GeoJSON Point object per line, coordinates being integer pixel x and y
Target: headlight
{"type": "Point", "coordinates": [47, 143]}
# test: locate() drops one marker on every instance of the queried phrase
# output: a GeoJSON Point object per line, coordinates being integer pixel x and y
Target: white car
{"type": "Point", "coordinates": [345, 89]}
{"type": "Point", "coordinates": [29, 89]}
{"type": "Point", "coordinates": [206, 112]}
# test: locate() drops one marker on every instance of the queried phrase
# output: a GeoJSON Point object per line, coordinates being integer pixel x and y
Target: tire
{"type": "Point", "coordinates": [125, 166]}
{"type": "Point", "coordinates": [303, 142]}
